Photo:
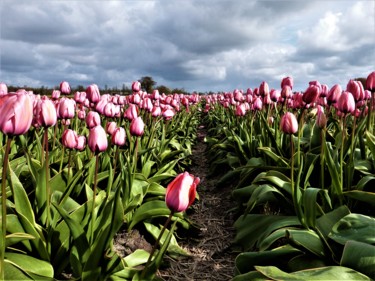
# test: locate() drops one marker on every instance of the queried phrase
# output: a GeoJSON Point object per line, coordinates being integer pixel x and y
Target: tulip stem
{"type": "Point", "coordinates": [48, 189]}
{"type": "Point", "coordinates": [93, 217]}
{"type": "Point", "coordinates": [157, 243]}
{"type": "Point", "coordinates": [4, 208]}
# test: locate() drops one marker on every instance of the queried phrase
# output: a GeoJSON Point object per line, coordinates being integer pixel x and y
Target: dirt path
{"type": "Point", "coordinates": [211, 255]}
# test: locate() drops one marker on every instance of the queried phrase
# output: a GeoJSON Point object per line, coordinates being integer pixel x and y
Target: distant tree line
{"type": "Point", "coordinates": [147, 82]}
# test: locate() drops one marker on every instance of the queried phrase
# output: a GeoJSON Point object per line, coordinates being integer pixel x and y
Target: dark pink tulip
{"type": "Point", "coordinates": [46, 115]}
{"type": "Point", "coordinates": [111, 127]}
{"type": "Point", "coordinates": [92, 119]}
{"type": "Point", "coordinates": [287, 81]}
{"type": "Point", "coordinates": [357, 90]}
{"type": "Point", "coordinates": [97, 140]}
{"type": "Point", "coordinates": [346, 102]}
{"type": "Point", "coordinates": [16, 113]}
{"type": "Point", "coordinates": [288, 123]}
{"type": "Point", "coordinates": [55, 94]}
{"type": "Point", "coordinates": [311, 94]}
{"type": "Point", "coordinates": [119, 137]}
{"type": "Point", "coordinates": [286, 92]}
{"type": "Point", "coordinates": [69, 139]}
{"type": "Point", "coordinates": [249, 91]}
{"type": "Point", "coordinates": [323, 90]}
{"type": "Point", "coordinates": [181, 192]}
{"type": "Point", "coordinates": [334, 94]}
{"type": "Point", "coordinates": [93, 93]}
{"type": "Point", "coordinates": [65, 88]}
{"type": "Point", "coordinates": [137, 127]}
{"type": "Point", "coordinates": [136, 86]}
{"type": "Point", "coordinates": [81, 143]}
{"type": "Point", "coordinates": [275, 95]}
{"type": "Point", "coordinates": [131, 112]}
{"type": "Point", "coordinates": [370, 82]}
{"type": "Point", "coordinates": [238, 95]}
{"type": "Point", "coordinates": [3, 89]}
{"type": "Point", "coordinates": [67, 108]}
{"type": "Point", "coordinates": [264, 89]}
{"type": "Point", "coordinates": [321, 119]}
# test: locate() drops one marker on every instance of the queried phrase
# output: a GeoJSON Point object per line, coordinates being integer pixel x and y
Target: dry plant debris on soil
{"type": "Point", "coordinates": [211, 256]}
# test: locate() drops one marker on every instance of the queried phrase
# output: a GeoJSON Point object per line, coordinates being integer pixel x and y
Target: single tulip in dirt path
{"type": "Point", "coordinates": [211, 255]}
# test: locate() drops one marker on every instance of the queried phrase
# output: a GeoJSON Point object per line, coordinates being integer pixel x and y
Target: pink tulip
{"type": "Point", "coordinates": [240, 110]}
{"type": "Point", "coordinates": [156, 111]}
{"type": "Point", "coordinates": [346, 102]}
{"type": "Point", "coordinates": [311, 94]}
{"type": "Point", "coordinates": [334, 94]}
{"type": "Point", "coordinates": [55, 94]}
{"type": "Point", "coordinates": [92, 119]}
{"type": "Point", "coordinates": [69, 139]}
{"type": "Point", "coordinates": [155, 95]}
{"type": "Point", "coordinates": [288, 123]}
{"type": "Point", "coordinates": [16, 113]}
{"type": "Point", "coordinates": [357, 90]}
{"type": "Point", "coordinates": [80, 97]}
{"type": "Point", "coordinates": [81, 143]}
{"type": "Point", "coordinates": [82, 114]}
{"type": "Point", "coordinates": [131, 112]}
{"type": "Point", "coordinates": [119, 137]}
{"type": "Point", "coordinates": [321, 119]}
{"type": "Point", "coordinates": [264, 89]}
{"type": "Point", "coordinates": [46, 114]}
{"type": "Point", "coordinates": [275, 95]}
{"type": "Point", "coordinates": [66, 108]}
{"type": "Point", "coordinates": [65, 88]}
{"type": "Point", "coordinates": [97, 140]}
{"type": "Point", "coordinates": [181, 192]}
{"type": "Point", "coordinates": [370, 82]}
{"type": "Point", "coordinates": [258, 104]}
{"type": "Point", "coordinates": [137, 127]}
{"type": "Point", "coordinates": [111, 127]}
{"type": "Point", "coordinates": [286, 92]}
{"type": "Point", "coordinates": [3, 89]}
{"type": "Point", "coordinates": [168, 114]}
{"type": "Point", "coordinates": [93, 93]}
{"type": "Point", "coordinates": [287, 81]}
{"type": "Point", "coordinates": [136, 86]}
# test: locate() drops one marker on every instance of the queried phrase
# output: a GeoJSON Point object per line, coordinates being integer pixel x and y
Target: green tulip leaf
{"type": "Point", "coordinates": [359, 256]}
{"type": "Point", "coordinates": [29, 264]}
{"type": "Point", "coordinates": [363, 196]}
{"type": "Point", "coordinates": [354, 227]}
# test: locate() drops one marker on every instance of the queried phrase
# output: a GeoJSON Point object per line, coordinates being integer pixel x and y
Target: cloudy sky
{"type": "Point", "coordinates": [198, 45]}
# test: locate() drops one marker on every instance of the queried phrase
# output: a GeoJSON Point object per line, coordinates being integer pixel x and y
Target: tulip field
{"type": "Point", "coordinates": [77, 168]}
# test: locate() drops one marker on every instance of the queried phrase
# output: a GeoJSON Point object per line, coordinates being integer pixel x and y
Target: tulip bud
{"type": "Point", "coordinates": [55, 94]}
{"type": "Point", "coordinates": [168, 114]}
{"type": "Point", "coordinates": [111, 127]}
{"type": "Point", "coordinates": [258, 104]}
{"type": "Point", "coordinates": [16, 113]}
{"type": "Point", "coordinates": [357, 90]}
{"type": "Point", "coordinates": [288, 123]}
{"type": "Point", "coordinates": [156, 111]}
{"type": "Point", "coordinates": [346, 103]}
{"type": "Point", "coordinates": [46, 114]}
{"type": "Point", "coordinates": [136, 86]}
{"type": "Point", "coordinates": [370, 82]}
{"type": "Point", "coordinates": [287, 81]}
{"type": "Point", "coordinates": [81, 143]}
{"type": "Point", "coordinates": [119, 136]}
{"type": "Point", "coordinates": [311, 94]}
{"type": "Point", "coordinates": [93, 93]}
{"type": "Point", "coordinates": [70, 139]}
{"type": "Point", "coordinates": [264, 89]}
{"type": "Point", "coordinates": [131, 112]}
{"type": "Point", "coordinates": [97, 140]}
{"type": "Point", "coordinates": [181, 192]}
{"type": "Point", "coordinates": [334, 94]}
{"type": "Point", "coordinates": [65, 88]}
{"type": "Point", "coordinates": [67, 108]}
{"type": "Point", "coordinates": [3, 89]}
{"type": "Point", "coordinates": [321, 119]}
{"type": "Point", "coordinates": [137, 127]}
{"type": "Point", "coordinates": [92, 119]}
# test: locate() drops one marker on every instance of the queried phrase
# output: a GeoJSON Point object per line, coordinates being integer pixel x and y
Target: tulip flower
{"type": "Point", "coordinates": [111, 127]}
{"type": "Point", "coordinates": [55, 94]}
{"type": "Point", "coordinates": [370, 82]}
{"type": "Point", "coordinates": [131, 112]}
{"type": "Point", "coordinates": [334, 94]}
{"type": "Point", "coordinates": [264, 89]}
{"type": "Point", "coordinates": [321, 119]}
{"type": "Point", "coordinates": [46, 115]}
{"type": "Point", "coordinates": [288, 123]}
{"type": "Point", "coordinates": [97, 140]}
{"type": "Point", "coordinates": [311, 94]}
{"type": "Point", "coordinates": [16, 113]}
{"type": "Point", "coordinates": [119, 137]}
{"type": "Point", "coordinates": [168, 114]}
{"type": "Point", "coordinates": [81, 143]}
{"type": "Point", "coordinates": [93, 93]}
{"type": "Point", "coordinates": [65, 88]}
{"type": "Point", "coordinates": [67, 108]}
{"type": "Point", "coordinates": [346, 102]}
{"type": "Point", "coordinates": [156, 111]}
{"type": "Point", "coordinates": [69, 139]}
{"type": "Point", "coordinates": [181, 192]}
{"type": "Point", "coordinates": [3, 89]}
{"type": "Point", "coordinates": [136, 86]}
{"type": "Point", "coordinates": [240, 110]}
{"type": "Point", "coordinates": [92, 119]}
{"type": "Point", "coordinates": [357, 90]}
{"type": "Point", "coordinates": [258, 104]}
{"type": "Point", "coordinates": [137, 127]}
{"type": "Point", "coordinates": [287, 81]}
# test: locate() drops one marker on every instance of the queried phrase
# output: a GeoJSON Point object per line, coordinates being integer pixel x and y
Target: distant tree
{"type": "Point", "coordinates": [163, 89]}
{"type": "Point", "coordinates": [179, 91]}
{"type": "Point", "coordinates": [147, 83]}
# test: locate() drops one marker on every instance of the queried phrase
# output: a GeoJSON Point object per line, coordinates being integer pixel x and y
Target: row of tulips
{"type": "Point", "coordinates": [79, 167]}
{"type": "Point", "coordinates": [303, 164]}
